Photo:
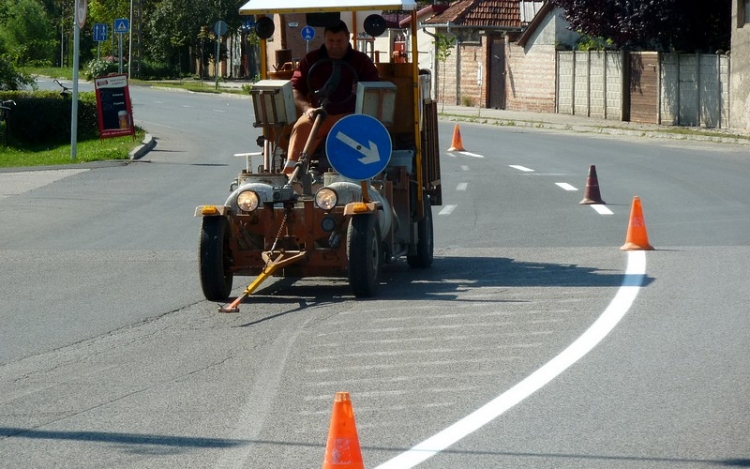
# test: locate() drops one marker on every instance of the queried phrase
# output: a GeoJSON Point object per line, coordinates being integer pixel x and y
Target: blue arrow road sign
{"type": "Point", "coordinates": [100, 32]}
{"type": "Point", "coordinates": [122, 25]}
{"type": "Point", "coordinates": [308, 33]}
{"type": "Point", "coordinates": [358, 146]}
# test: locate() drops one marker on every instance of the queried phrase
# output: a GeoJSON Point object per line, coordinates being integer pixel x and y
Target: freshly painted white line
{"type": "Point", "coordinates": [464, 168]}
{"type": "Point", "coordinates": [621, 303]}
{"type": "Point", "coordinates": [521, 168]}
{"type": "Point", "coordinates": [566, 186]}
{"type": "Point", "coordinates": [462, 186]}
{"type": "Point", "coordinates": [447, 210]}
{"type": "Point", "coordinates": [602, 209]}
{"type": "Point", "coordinates": [475, 155]}
{"type": "Point", "coordinates": [451, 154]}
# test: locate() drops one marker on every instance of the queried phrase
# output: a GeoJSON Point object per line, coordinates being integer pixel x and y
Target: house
{"type": "Point", "coordinates": [739, 94]}
{"type": "Point", "coordinates": [505, 53]}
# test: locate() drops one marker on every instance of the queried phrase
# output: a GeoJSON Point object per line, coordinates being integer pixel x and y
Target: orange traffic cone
{"type": "Point", "coordinates": [456, 144]}
{"type": "Point", "coordinates": [591, 195]}
{"type": "Point", "coordinates": [342, 449]}
{"type": "Point", "coordinates": [637, 238]}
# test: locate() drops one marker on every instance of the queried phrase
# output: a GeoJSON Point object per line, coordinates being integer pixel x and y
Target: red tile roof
{"type": "Point", "coordinates": [481, 13]}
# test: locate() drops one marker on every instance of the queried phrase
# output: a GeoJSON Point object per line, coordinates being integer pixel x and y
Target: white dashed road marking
{"type": "Point", "coordinates": [601, 209]}
{"type": "Point", "coordinates": [447, 210]}
{"type": "Point", "coordinates": [521, 168]}
{"type": "Point", "coordinates": [473, 155]}
{"type": "Point", "coordinates": [566, 186]}
{"type": "Point", "coordinates": [462, 186]}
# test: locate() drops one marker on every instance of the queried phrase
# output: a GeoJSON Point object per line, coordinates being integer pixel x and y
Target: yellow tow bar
{"type": "Point", "coordinates": [268, 270]}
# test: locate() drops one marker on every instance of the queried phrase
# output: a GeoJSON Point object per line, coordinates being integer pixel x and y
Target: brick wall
{"type": "Point", "coordinates": [472, 65]}
{"type": "Point", "coordinates": [459, 77]}
{"type": "Point", "coordinates": [447, 87]}
{"type": "Point", "coordinates": [530, 78]}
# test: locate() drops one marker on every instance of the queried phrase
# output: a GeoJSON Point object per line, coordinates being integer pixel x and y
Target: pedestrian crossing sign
{"type": "Point", "coordinates": [122, 25]}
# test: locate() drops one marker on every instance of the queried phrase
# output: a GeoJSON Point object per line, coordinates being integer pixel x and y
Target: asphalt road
{"type": "Point", "coordinates": [532, 342]}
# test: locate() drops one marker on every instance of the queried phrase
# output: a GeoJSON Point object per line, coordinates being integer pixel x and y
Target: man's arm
{"type": "Point", "coordinates": [303, 105]}
{"type": "Point", "coordinates": [300, 91]}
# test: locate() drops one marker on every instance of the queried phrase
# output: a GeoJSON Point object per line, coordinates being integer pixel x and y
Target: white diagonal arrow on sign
{"type": "Point", "coordinates": [370, 153]}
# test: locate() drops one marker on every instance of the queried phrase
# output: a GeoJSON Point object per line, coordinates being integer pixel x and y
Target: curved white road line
{"type": "Point", "coordinates": [621, 303]}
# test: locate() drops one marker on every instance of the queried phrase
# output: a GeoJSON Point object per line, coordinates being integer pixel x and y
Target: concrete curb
{"type": "Point", "coordinates": [683, 133]}
{"type": "Point", "coordinates": [149, 143]}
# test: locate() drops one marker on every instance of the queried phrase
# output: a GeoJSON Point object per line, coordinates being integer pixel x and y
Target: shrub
{"type": "Point", "coordinates": [97, 68]}
{"type": "Point", "coordinates": [157, 71]}
{"type": "Point", "coordinates": [44, 117]}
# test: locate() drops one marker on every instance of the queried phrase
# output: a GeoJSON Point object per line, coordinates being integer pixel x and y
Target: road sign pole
{"type": "Point", "coordinates": [119, 47]}
{"type": "Point", "coordinates": [308, 34]}
{"type": "Point", "coordinates": [218, 51]}
{"type": "Point", "coordinates": [74, 102]}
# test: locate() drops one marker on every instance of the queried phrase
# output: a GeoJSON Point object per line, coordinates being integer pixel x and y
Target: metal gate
{"type": "Point", "coordinates": [497, 72]}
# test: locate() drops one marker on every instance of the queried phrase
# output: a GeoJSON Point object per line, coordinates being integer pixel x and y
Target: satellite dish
{"type": "Point", "coordinates": [264, 27]}
{"type": "Point", "coordinates": [374, 25]}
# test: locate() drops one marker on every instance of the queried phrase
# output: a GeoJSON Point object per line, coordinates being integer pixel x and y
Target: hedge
{"type": "Point", "coordinates": [43, 117]}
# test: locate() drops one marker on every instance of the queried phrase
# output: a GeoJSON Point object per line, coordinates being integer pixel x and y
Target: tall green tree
{"type": "Point", "coordinates": [681, 25]}
{"type": "Point", "coordinates": [176, 26]}
{"type": "Point", "coordinates": [27, 32]}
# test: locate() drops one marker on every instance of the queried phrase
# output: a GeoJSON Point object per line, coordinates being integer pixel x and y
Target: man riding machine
{"type": "Point", "coordinates": [349, 172]}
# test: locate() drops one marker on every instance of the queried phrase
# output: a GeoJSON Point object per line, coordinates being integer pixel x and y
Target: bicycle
{"type": "Point", "coordinates": [65, 90]}
{"type": "Point", "coordinates": [5, 108]}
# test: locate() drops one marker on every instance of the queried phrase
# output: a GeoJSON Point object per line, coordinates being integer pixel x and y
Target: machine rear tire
{"type": "Point", "coordinates": [425, 241]}
{"type": "Point", "coordinates": [363, 251]}
{"type": "Point", "coordinates": [214, 260]}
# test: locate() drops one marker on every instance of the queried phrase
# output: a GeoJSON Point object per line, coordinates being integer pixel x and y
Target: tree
{"type": "Point", "coordinates": [443, 46]}
{"type": "Point", "coordinates": [11, 78]}
{"type": "Point", "coordinates": [681, 25]}
{"type": "Point", "coordinates": [27, 32]}
{"type": "Point", "coordinates": [176, 25]}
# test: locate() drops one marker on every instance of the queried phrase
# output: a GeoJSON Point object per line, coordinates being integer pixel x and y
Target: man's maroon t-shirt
{"type": "Point", "coordinates": [342, 100]}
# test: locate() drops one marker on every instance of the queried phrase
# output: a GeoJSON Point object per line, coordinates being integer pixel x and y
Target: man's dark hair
{"type": "Point", "coordinates": [337, 27]}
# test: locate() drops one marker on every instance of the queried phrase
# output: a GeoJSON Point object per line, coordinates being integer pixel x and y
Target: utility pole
{"type": "Point", "coordinates": [136, 38]}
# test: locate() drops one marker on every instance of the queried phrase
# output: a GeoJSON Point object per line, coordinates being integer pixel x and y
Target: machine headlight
{"type": "Point", "coordinates": [247, 201]}
{"type": "Point", "coordinates": [326, 198]}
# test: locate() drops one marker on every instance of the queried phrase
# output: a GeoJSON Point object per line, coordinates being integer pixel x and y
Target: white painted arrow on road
{"type": "Point", "coordinates": [370, 153]}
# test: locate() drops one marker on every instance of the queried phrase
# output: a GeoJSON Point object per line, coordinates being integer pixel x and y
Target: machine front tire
{"type": "Point", "coordinates": [425, 241]}
{"type": "Point", "coordinates": [363, 251]}
{"type": "Point", "coordinates": [214, 260]}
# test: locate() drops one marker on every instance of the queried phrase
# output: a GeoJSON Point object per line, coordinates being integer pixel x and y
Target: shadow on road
{"type": "Point", "coordinates": [447, 280]}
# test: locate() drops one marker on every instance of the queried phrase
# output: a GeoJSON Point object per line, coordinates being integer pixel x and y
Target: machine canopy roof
{"type": "Point", "coordinates": [266, 7]}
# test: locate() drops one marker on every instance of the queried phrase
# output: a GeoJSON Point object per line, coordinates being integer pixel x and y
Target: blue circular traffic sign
{"type": "Point", "coordinates": [358, 146]}
{"type": "Point", "coordinates": [308, 33]}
